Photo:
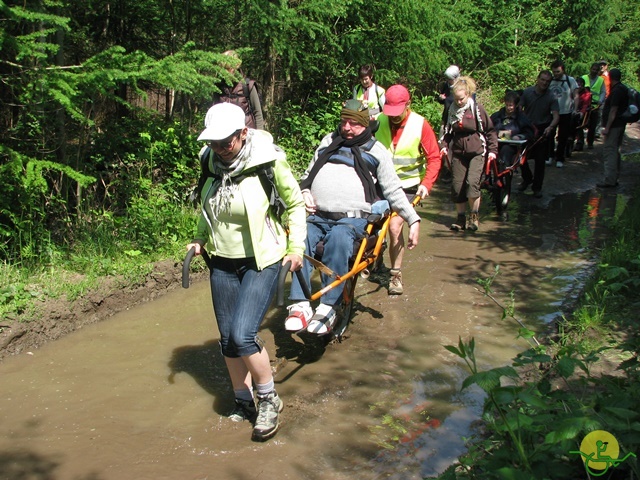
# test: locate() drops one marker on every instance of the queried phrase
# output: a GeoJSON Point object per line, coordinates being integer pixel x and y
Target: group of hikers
{"type": "Point", "coordinates": [551, 116]}
{"type": "Point", "coordinates": [380, 151]}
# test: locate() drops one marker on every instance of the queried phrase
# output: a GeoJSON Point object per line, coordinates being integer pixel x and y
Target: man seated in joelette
{"type": "Point", "coordinates": [350, 170]}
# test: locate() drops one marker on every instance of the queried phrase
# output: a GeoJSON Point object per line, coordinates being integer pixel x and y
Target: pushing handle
{"type": "Point", "coordinates": [186, 265]}
{"type": "Point", "coordinates": [306, 289]}
{"type": "Point", "coordinates": [281, 279]}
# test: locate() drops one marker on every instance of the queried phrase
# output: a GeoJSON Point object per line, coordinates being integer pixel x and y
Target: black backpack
{"type": "Point", "coordinates": [264, 173]}
{"type": "Point", "coordinates": [632, 113]}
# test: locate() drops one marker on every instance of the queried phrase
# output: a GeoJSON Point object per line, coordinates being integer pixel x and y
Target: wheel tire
{"type": "Point", "coordinates": [502, 195]}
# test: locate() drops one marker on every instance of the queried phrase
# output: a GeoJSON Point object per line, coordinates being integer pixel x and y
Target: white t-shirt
{"type": "Point", "coordinates": [563, 90]}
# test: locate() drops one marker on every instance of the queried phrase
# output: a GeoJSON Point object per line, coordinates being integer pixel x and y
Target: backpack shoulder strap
{"type": "Point", "coordinates": [378, 98]}
{"type": "Point", "coordinates": [205, 173]}
{"type": "Point", "coordinates": [267, 179]}
{"type": "Point", "coordinates": [370, 143]}
{"type": "Point", "coordinates": [476, 113]}
{"type": "Point", "coordinates": [246, 88]}
{"type": "Point", "coordinates": [372, 161]}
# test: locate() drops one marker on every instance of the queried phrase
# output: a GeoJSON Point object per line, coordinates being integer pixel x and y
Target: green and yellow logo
{"type": "Point", "coordinates": [600, 451]}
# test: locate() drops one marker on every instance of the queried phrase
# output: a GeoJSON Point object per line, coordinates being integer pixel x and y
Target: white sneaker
{"type": "Point", "coordinates": [299, 315]}
{"type": "Point", "coordinates": [323, 321]}
{"type": "Point", "coordinates": [559, 164]}
{"type": "Point", "coordinates": [548, 161]}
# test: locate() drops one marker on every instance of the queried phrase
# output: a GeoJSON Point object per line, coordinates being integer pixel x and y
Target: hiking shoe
{"type": "Point", "coordinates": [323, 321]}
{"type": "Point", "coordinates": [559, 164]}
{"type": "Point", "coordinates": [395, 284]}
{"type": "Point", "coordinates": [267, 422]}
{"type": "Point", "coordinates": [548, 161]}
{"type": "Point", "coordinates": [244, 410]}
{"type": "Point", "coordinates": [460, 223]}
{"type": "Point", "coordinates": [473, 222]}
{"type": "Point", "coordinates": [523, 186]}
{"type": "Point", "coordinates": [299, 315]}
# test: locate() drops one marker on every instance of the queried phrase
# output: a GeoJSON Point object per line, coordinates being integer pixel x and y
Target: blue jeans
{"type": "Point", "coordinates": [339, 237]}
{"type": "Point", "coordinates": [241, 296]}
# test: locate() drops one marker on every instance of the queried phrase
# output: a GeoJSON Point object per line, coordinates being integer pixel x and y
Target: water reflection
{"type": "Point", "coordinates": [422, 435]}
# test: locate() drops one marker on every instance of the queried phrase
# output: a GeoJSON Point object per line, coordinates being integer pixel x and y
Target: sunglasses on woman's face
{"type": "Point", "coordinates": [225, 143]}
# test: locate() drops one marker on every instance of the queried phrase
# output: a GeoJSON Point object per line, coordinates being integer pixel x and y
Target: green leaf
{"type": "Point", "coordinates": [571, 428]}
{"type": "Point", "coordinates": [533, 400]}
{"type": "Point", "coordinates": [505, 395]}
{"type": "Point", "coordinates": [621, 412]}
{"type": "Point", "coordinates": [510, 473]}
{"type": "Point", "coordinates": [566, 366]}
{"type": "Point", "coordinates": [454, 350]}
{"type": "Point", "coordinates": [490, 379]}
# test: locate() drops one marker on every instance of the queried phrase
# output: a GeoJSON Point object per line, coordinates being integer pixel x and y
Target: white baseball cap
{"type": "Point", "coordinates": [452, 72]}
{"type": "Point", "coordinates": [222, 121]}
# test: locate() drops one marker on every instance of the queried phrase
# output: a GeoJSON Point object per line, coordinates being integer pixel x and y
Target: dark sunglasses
{"type": "Point", "coordinates": [225, 143]}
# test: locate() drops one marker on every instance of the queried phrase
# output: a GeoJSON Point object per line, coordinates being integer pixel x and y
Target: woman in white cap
{"type": "Point", "coordinates": [248, 247]}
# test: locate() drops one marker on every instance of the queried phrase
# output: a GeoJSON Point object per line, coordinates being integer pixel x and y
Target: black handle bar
{"type": "Point", "coordinates": [281, 279]}
{"type": "Point", "coordinates": [187, 264]}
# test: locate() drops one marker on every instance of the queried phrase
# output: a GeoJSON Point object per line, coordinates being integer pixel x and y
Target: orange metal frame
{"type": "Point", "coordinates": [363, 258]}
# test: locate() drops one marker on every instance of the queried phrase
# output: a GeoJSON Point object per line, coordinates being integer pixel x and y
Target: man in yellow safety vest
{"type": "Point", "coordinates": [596, 85]}
{"type": "Point", "coordinates": [416, 156]}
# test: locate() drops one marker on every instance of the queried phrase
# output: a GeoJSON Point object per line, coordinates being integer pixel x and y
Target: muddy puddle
{"type": "Point", "coordinates": [141, 396]}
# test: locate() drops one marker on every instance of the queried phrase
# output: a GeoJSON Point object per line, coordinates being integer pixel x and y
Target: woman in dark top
{"type": "Point", "coordinates": [470, 136]}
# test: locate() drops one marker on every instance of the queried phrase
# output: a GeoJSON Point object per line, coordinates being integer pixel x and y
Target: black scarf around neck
{"type": "Point", "coordinates": [360, 164]}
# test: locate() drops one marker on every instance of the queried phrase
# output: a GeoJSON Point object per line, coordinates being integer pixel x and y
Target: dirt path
{"type": "Point", "coordinates": [59, 317]}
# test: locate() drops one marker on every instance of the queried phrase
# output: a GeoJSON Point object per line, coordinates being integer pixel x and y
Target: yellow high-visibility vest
{"type": "Point", "coordinates": [596, 88]}
{"type": "Point", "coordinates": [407, 156]}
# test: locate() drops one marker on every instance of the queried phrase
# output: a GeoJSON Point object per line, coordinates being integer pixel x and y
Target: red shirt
{"type": "Point", "coordinates": [584, 101]}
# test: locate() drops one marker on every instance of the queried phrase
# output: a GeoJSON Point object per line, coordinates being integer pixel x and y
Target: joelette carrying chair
{"type": "Point", "coordinates": [367, 257]}
{"type": "Point", "coordinates": [497, 178]}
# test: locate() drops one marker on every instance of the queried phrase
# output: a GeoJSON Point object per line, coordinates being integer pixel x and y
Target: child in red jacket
{"type": "Point", "coordinates": [581, 115]}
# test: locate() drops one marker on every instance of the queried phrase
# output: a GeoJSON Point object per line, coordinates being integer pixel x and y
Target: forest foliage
{"type": "Point", "coordinates": [101, 100]}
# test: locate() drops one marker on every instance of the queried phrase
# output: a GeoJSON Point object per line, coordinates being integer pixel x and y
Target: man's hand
{"type": "Point", "coordinates": [492, 156]}
{"type": "Point", "coordinates": [295, 259]}
{"type": "Point", "coordinates": [309, 202]}
{"type": "Point", "coordinates": [414, 233]}
{"type": "Point", "coordinates": [422, 191]}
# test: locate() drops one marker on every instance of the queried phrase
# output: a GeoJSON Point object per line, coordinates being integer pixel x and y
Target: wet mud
{"type": "Point", "coordinates": [143, 395]}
